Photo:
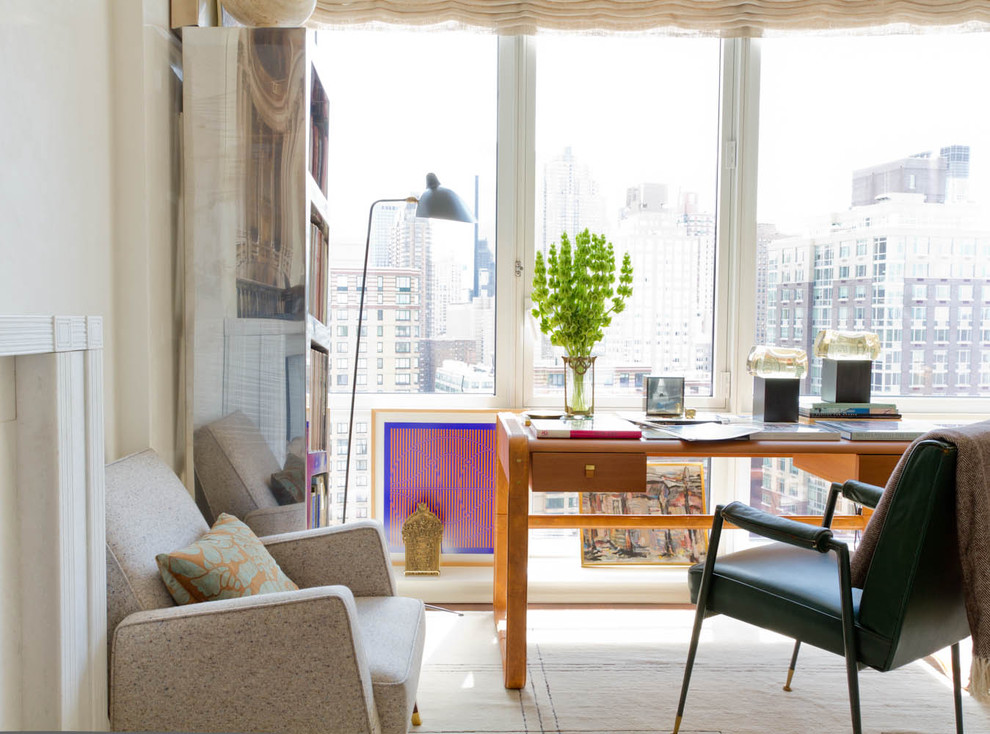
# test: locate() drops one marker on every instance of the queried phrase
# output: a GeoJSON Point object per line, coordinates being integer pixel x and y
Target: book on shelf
{"type": "Point", "coordinates": [752, 430]}
{"type": "Point", "coordinates": [318, 269]}
{"type": "Point", "coordinates": [318, 408]}
{"type": "Point", "coordinates": [883, 430]}
{"type": "Point", "coordinates": [599, 426]}
{"type": "Point", "coordinates": [823, 409]}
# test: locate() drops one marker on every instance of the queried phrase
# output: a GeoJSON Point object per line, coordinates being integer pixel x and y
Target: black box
{"type": "Point", "coordinates": [846, 381]}
{"type": "Point", "coordinates": [775, 400]}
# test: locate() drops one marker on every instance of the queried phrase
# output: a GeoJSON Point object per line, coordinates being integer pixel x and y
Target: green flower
{"type": "Point", "coordinates": [573, 294]}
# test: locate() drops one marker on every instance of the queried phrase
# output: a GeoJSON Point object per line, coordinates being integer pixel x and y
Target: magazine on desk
{"type": "Point", "coordinates": [752, 430]}
{"type": "Point", "coordinates": [600, 426]}
{"type": "Point", "coordinates": [883, 430]}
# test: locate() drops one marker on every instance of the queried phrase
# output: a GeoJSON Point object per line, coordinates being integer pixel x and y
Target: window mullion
{"type": "Point", "coordinates": [515, 217]}
{"type": "Point", "coordinates": [736, 278]}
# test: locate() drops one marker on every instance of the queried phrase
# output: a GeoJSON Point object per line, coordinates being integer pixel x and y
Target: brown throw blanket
{"type": "Point", "coordinates": [973, 521]}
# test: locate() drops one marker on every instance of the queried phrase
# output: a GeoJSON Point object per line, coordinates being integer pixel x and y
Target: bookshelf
{"type": "Point", "coordinates": [256, 127]}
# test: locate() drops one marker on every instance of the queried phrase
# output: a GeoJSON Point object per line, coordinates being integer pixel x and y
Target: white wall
{"type": "Point", "coordinates": [89, 192]}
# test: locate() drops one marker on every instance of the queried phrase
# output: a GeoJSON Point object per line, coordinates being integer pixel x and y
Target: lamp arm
{"type": "Point", "coordinates": [357, 346]}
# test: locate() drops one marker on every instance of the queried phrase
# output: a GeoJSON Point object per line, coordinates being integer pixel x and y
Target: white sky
{"type": "Point", "coordinates": [644, 109]}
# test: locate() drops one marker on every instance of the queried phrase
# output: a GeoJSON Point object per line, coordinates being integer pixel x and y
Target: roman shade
{"type": "Point", "coordinates": [727, 18]}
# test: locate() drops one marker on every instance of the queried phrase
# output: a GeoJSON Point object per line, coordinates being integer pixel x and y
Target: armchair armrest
{"type": "Point", "coordinates": [246, 664]}
{"type": "Point", "coordinates": [353, 555]}
{"type": "Point", "coordinates": [865, 494]}
{"type": "Point", "coordinates": [794, 533]}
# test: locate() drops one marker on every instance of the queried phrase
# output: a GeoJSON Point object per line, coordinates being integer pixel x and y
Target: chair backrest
{"type": "Point", "coordinates": [149, 512]}
{"type": "Point", "coordinates": [913, 593]}
{"type": "Point", "coordinates": [234, 465]}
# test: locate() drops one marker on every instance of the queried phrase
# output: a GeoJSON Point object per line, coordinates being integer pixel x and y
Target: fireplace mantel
{"type": "Point", "coordinates": [60, 506]}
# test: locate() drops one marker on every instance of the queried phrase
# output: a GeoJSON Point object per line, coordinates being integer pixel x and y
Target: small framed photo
{"type": "Point", "coordinates": [663, 396]}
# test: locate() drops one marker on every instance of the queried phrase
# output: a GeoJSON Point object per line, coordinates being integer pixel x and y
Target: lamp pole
{"type": "Point", "coordinates": [437, 202]}
{"type": "Point", "coordinates": [357, 343]}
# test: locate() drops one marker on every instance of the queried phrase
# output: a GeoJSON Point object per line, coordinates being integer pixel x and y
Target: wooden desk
{"type": "Point", "coordinates": [524, 462]}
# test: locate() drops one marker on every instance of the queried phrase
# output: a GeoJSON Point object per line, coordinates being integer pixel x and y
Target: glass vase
{"type": "Point", "coordinates": [579, 385]}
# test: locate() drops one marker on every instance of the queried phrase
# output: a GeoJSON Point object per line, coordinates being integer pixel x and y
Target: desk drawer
{"type": "Point", "coordinates": [560, 472]}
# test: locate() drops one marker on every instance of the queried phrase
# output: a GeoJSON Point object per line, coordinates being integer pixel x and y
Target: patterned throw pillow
{"type": "Point", "coordinates": [229, 561]}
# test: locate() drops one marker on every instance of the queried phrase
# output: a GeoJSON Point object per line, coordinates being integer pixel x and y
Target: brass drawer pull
{"type": "Point", "coordinates": [589, 470]}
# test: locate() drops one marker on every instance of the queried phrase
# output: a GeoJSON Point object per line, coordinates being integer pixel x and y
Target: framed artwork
{"type": "Point", "coordinates": [445, 460]}
{"type": "Point", "coordinates": [671, 489]}
{"type": "Point", "coordinates": [663, 395]}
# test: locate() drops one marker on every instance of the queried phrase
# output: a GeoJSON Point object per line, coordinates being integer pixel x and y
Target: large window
{"type": "Point", "coordinates": [431, 283]}
{"type": "Point", "coordinates": [390, 125]}
{"type": "Point", "coordinates": [863, 204]}
{"type": "Point", "coordinates": [878, 160]}
{"type": "Point", "coordinates": [627, 145]}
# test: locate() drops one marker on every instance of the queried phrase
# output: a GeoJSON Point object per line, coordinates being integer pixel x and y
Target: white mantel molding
{"type": "Point", "coordinates": [61, 518]}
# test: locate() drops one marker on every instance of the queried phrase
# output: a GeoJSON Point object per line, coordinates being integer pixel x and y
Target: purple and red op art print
{"type": "Point", "coordinates": [451, 468]}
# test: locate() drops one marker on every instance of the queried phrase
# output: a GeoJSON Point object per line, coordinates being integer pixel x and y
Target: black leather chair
{"type": "Point", "coordinates": [911, 603]}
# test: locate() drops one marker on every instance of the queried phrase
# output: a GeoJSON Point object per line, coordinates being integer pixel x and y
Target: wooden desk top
{"type": "Point", "coordinates": [514, 426]}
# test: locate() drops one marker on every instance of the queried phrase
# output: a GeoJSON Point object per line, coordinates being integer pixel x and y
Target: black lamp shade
{"type": "Point", "coordinates": [439, 202]}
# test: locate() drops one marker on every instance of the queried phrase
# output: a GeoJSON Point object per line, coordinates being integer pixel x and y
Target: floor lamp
{"type": "Point", "coordinates": [437, 202]}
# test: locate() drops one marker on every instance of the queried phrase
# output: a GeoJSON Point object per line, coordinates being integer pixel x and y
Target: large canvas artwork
{"type": "Point", "coordinates": [671, 489]}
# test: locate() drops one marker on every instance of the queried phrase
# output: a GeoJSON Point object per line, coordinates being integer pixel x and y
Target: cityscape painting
{"type": "Point", "coordinates": [671, 489]}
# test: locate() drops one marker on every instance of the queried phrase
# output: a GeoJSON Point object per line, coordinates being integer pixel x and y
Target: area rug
{"type": "Point", "coordinates": [620, 670]}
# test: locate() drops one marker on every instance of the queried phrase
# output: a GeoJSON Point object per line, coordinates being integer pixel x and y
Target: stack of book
{"type": "Point", "coordinates": [848, 410]}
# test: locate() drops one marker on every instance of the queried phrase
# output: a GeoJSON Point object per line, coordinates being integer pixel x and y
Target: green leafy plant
{"type": "Point", "coordinates": [574, 291]}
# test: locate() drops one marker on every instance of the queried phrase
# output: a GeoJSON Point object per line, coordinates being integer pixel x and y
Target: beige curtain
{"type": "Point", "coordinates": [739, 18]}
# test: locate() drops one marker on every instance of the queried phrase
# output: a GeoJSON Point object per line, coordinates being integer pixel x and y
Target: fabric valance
{"type": "Point", "coordinates": [727, 18]}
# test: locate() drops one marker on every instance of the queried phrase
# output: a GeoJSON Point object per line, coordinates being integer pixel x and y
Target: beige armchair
{"type": "Point", "coordinates": [342, 654]}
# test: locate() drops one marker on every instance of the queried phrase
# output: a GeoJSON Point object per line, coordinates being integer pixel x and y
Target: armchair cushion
{"type": "Point", "coordinates": [227, 562]}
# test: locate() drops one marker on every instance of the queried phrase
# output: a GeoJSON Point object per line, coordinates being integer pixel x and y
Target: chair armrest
{"type": "Point", "coordinates": [354, 555]}
{"type": "Point", "coordinates": [246, 664]}
{"type": "Point", "coordinates": [813, 537]}
{"type": "Point", "coordinates": [274, 520]}
{"type": "Point", "coordinates": [865, 494]}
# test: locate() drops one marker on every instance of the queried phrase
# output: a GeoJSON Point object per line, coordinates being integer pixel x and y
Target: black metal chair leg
{"type": "Point", "coordinates": [957, 688]}
{"type": "Point", "coordinates": [790, 670]}
{"type": "Point", "coordinates": [849, 635]}
{"type": "Point", "coordinates": [699, 615]}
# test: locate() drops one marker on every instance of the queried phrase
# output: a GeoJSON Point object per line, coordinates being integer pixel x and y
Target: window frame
{"type": "Point", "coordinates": [516, 335]}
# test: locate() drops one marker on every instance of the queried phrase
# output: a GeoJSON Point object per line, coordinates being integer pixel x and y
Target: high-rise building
{"type": "Point", "coordinates": [571, 200]}
{"type": "Point", "coordinates": [908, 266]}
{"type": "Point", "coordinates": [669, 323]}
{"type": "Point", "coordinates": [939, 178]}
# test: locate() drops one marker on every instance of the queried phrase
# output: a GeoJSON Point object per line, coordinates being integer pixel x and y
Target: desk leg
{"type": "Point", "coordinates": [510, 596]}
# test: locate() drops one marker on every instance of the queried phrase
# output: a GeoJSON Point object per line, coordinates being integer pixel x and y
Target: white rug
{"type": "Point", "coordinates": [609, 670]}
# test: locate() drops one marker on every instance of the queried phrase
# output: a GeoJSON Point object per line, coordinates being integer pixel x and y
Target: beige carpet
{"type": "Point", "coordinates": [608, 670]}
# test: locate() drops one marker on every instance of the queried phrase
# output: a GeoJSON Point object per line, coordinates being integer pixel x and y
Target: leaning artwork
{"type": "Point", "coordinates": [671, 489]}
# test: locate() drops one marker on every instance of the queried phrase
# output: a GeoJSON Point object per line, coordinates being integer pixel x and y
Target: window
{"type": "Point", "coordinates": [651, 190]}
{"type": "Point", "coordinates": [860, 174]}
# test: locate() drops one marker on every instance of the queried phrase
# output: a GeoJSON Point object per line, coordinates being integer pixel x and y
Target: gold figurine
{"type": "Point", "coordinates": [421, 534]}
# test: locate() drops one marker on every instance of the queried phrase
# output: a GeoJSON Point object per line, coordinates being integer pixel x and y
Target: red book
{"type": "Point", "coordinates": [596, 427]}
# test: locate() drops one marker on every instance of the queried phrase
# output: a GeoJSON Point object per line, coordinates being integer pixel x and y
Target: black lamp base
{"type": "Point", "coordinates": [845, 381]}
{"type": "Point", "coordinates": [775, 400]}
